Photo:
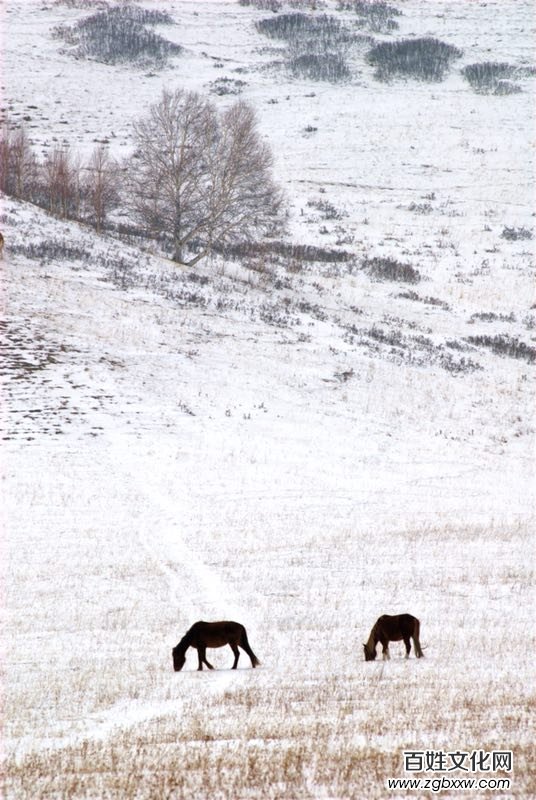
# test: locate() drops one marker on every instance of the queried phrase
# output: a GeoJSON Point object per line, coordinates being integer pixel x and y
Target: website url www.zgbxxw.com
{"type": "Point", "coordinates": [444, 784]}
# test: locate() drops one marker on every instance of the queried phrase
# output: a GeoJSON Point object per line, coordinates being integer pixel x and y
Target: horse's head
{"type": "Point", "coordinates": [370, 653]}
{"type": "Point", "coordinates": [178, 659]}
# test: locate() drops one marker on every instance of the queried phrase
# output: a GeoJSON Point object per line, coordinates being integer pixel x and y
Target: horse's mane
{"type": "Point", "coordinates": [184, 642]}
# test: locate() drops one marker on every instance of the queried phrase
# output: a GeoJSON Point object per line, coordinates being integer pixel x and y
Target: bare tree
{"type": "Point", "coordinates": [101, 185]}
{"type": "Point", "coordinates": [201, 178]}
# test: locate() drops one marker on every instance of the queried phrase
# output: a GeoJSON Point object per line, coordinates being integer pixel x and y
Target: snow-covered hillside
{"type": "Point", "coordinates": [286, 441]}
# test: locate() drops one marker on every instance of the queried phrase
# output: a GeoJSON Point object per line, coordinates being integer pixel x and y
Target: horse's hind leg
{"type": "Point", "coordinates": [417, 646]}
{"type": "Point", "coordinates": [244, 644]}
{"type": "Point", "coordinates": [407, 642]}
{"type": "Point", "coordinates": [416, 643]}
{"type": "Point", "coordinates": [236, 652]}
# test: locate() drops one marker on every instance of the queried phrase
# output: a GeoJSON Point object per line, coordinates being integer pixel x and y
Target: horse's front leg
{"type": "Point", "coordinates": [385, 648]}
{"type": "Point", "coordinates": [202, 658]}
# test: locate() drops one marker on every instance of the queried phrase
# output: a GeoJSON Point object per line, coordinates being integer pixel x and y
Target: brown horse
{"type": "Point", "coordinates": [392, 629]}
{"type": "Point", "coordinates": [1, 246]}
{"type": "Point", "coordinates": [213, 634]}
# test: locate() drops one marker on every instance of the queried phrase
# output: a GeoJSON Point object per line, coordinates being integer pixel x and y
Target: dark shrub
{"type": "Point", "coordinates": [516, 234]}
{"type": "Point", "coordinates": [374, 16]}
{"type": "Point", "coordinates": [485, 77]}
{"type": "Point", "coordinates": [295, 26]}
{"type": "Point", "coordinates": [388, 269]}
{"type": "Point", "coordinates": [119, 35]}
{"type": "Point", "coordinates": [424, 59]}
{"type": "Point", "coordinates": [506, 346]}
{"type": "Point", "coordinates": [326, 67]}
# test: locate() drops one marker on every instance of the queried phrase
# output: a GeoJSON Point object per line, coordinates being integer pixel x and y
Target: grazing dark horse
{"type": "Point", "coordinates": [213, 634]}
{"type": "Point", "coordinates": [1, 246]}
{"type": "Point", "coordinates": [392, 629]}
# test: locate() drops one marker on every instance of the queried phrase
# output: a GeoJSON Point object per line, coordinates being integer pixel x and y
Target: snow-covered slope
{"type": "Point", "coordinates": [293, 444]}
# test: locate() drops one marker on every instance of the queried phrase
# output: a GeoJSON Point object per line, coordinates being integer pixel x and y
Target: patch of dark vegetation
{"type": "Point", "coordinates": [327, 209]}
{"type": "Point", "coordinates": [276, 5]}
{"type": "Point", "coordinates": [389, 269]}
{"type": "Point", "coordinates": [84, 4]}
{"type": "Point", "coordinates": [316, 44]}
{"type": "Point", "coordinates": [50, 250]}
{"type": "Point", "coordinates": [420, 208]}
{"type": "Point", "coordinates": [425, 59]}
{"type": "Point", "coordinates": [416, 350]}
{"type": "Point", "coordinates": [490, 316]}
{"type": "Point", "coordinates": [223, 86]}
{"type": "Point", "coordinates": [373, 15]}
{"type": "Point", "coordinates": [504, 345]}
{"type": "Point", "coordinates": [262, 5]}
{"type": "Point", "coordinates": [516, 234]}
{"type": "Point", "coordinates": [119, 35]}
{"type": "Point", "coordinates": [429, 301]}
{"type": "Point", "coordinates": [491, 77]}
{"type": "Point", "coordinates": [297, 26]}
{"type": "Point", "coordinates": [320, 67]}
{"type": "Point", "coordinates": [291, 252]}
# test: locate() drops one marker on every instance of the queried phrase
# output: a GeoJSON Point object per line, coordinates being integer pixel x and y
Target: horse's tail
{"type": "Point", "coordinates": [244, 644]}
{"type": "Point", "coordinates": [416, 641]}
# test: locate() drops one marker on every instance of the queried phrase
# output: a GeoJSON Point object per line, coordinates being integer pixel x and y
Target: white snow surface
{"type": "Point", "coordinates": [255, 454]}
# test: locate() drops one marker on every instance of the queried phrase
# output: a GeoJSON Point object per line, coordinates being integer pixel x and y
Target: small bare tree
{"type": "Point", "coordinates": [18, 165]}
{"type": "Point", "coordinates": [101, 185]}
{"type": "Point", "coordinates": [199, 178]}
{"type": "Point", "coordinates": [62, 182]}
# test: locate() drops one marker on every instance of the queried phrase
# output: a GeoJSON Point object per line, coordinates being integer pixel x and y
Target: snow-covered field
{"type": "Point", "coordinates": [297, 446]}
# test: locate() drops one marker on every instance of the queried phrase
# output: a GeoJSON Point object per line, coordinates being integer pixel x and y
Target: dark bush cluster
{"type": "Point", "coordinates": [50, 250]}
{"type": "Point", "coordinates": [389, 269]}
{"type": "Point", "coordinates": [297, 26]}
{"type": "Point", "coordinates": [504, 345]}
{"type": "Point", "coordinates": [120, 35]}
{"type": "Point", "coordinates": [421, 351]}
{"type": "Point", "coordinates": [374, 15]}
{"type": "Point", "coordinates": [223, 86]}
{"type": "Point", "coordinates": [424, 59]}
{"type": "Point", "coordinates": [320, 67]}
{"type": "Point", "coordinates": [290, 252]}
{"type": "Point", "coordinates": [316, 44]}
{"type": "Point", "coordinates": [428, 301]}
{"type": "Point", "coordinates": [327, 209]}
{"type": "Point", "coordinates": [490, 316]}
{"type": "Point", "coordinates": [516, 234]}
{"type": "Point", "coordinates": [263, 5]}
